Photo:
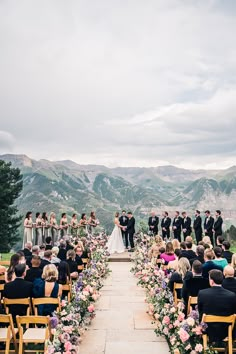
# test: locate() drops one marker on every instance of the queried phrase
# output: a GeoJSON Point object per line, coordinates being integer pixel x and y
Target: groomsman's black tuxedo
{"type": "Point", "coordinates": [208, 226]}
{"type": "Point", "coordinates": [197, 225]}
{"type": "Point", "coordinates": [131, 230]}
{"type": "Point", "coordinates": [187, 225]}
{"type": "Point", "coordinates": [124, 222]}
{"type": "Point", "coordinates": [153, 221]}
{"type": "Point", "coordinates": [219, 302]}
{"type": "Point", "coordinates": [218, 226]}
{"type": "Point", "coordinates": [177, 222]}
{"type": "Point", "coordinates": [165, 224]}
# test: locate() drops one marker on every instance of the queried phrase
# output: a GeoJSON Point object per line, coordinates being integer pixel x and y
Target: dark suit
{"type": "Point", "coordinates": [33, 273]}
{"type": "Point", "coordinates": [177, 222]}
{"type": "Point", "coordinates": [44, 262]}
{"type": "Point", "coordinates": [124, 222]}
{"type": "Point", "coordinates": [228, 256]}
{"type": "Point", "coordinates": [218, 227]}
{"type": "Point", "coordinates": [192, 286]}
{"type": "Point", "coordinates": [189, 254]}
{"type": "Point", "coordinates": [131, 230]}
{"type": "Point", "coordinates": [208, 226]}
{"type": "Point", "coordinates": [18, 289]}
{"type": "Point", "coordinates": [62, 254]}
{"type": "Point", "coordinates": [187, 225]}
{"type": "Point", "coordinates": [165, 224]}
{"type": "Point", "coordinates": [220, 302]}
{"type": "Point", "coordinates": [28, 256]}
{"type": "Point", "coordinates": [197, 226]}
{"type": "Point", "coordinates": [229, 284]}
{"type": "Point", "coordinates": [153, 221]}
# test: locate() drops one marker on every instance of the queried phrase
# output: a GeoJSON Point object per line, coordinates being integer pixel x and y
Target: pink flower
{"type": "Point", "coordinates": [181, 317]}
{"type": "Point", "coordinates": [198, 330]}
{"type": "Point", "coordinates": [91, 308]}
{"type": "Point", "coordinates": [199, 348]}
{"type": "Point", "coordinates": [68, 346]}
{"type": "Point", "coordinates": [184, 336]}
{"type": "Point", "coordinates": [166, 320]}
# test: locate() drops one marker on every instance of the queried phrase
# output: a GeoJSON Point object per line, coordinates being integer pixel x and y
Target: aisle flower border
{"type": "Point", "coordinates": [69, 325]}
{"type": "Point", "coordinates": [183, 335]}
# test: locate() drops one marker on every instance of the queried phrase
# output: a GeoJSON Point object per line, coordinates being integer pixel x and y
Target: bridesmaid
{"type": "Point", "coordinates": [38, 230]}
{"type": "Point", "coordinates": [74, 225]}
{"type": "Point", "coordinates": [92, 222]}
{"type": "Point", "coordinates": [45, 226]}
{"type": "Point", "coordinates": [83, 225]}
{"type": "Point", "coordinates": [63, 225]}
{"type": "Point", "coordinates": [54, 227]}
{"type": "Point", "coordinates": [28, 228]}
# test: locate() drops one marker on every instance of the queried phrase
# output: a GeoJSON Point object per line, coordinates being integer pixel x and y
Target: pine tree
{"type": "Point", "coordinates": [11, 185]}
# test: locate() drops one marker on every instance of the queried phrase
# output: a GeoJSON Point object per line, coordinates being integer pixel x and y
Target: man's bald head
{"type": "Point", "coordinates": [229, 272]}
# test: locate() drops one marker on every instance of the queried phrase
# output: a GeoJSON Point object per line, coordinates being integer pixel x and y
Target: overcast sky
{"type": "Point", "coordinates": [119, 82]}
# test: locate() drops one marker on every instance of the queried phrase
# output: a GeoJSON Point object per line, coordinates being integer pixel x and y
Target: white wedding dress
{"type": "Point", "coordinates": [115, 243]}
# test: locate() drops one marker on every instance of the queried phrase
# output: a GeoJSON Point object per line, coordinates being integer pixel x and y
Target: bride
{"type": "Point", "coordinates": [115, 242]}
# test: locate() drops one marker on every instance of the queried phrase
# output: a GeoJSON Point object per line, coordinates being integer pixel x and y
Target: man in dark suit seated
{"type": "Point", "coordinates": [62, 251]}
{"type": "Point", "coordinates": [18, 289]}
{"type": "Point", "coordinates": [229, 282]}
{"type": "Point", "coordinates": [209, 255]}
{"type": "Point", "coordinates": [188, 253]}
{"type": "Point", "coordinates": [34, 272]}
{"type": "Point", "coordinates": [227, 254]}
{"type": "Point", "coordinates": [46, 259]}
{"type": "Point", "coordinates": [199, 255]}
{"type": "Point", "coordinates": [153, 222]}
{"type": "Point", "coordinates": [216, 301]}
{"type": "Point", "coordinates": [28, 252]}
{"type": "Point", "coordinates": [192, 285]}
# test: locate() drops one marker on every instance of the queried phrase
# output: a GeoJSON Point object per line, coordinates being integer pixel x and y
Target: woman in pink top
{"type": "Point", "coordinates": [169, 254]}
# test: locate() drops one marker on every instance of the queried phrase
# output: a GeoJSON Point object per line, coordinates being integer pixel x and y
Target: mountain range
{"type": "Point", "coordinates": [67, 186]}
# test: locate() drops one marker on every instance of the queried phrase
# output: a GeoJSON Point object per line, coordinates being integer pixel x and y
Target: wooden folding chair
{"type": "Point", "coordinates": [5, 263]}
{"type": "Point", "coordinates": [46, 301]}
{"type": "Point", "coordinates": [176, 287]}
{"type": "Point", "coordinates": [8, 334]}
{"type": "Point", "coordinates": [68, 289]}
{"type": "Point", "coordinates": [25, 301]}
{"type": "Point", "coordinates": [2, 277]}
{"type": "Point", "coordinates": [85, 261]}
{"type": "Point", "coordinates": [34, 335]}
{"type": "Point", "coordinates": [220, 319]}
{"type": "Point", "coordinates": [80, 268]}
{"type": "Point", "coordinates": [192, 300]}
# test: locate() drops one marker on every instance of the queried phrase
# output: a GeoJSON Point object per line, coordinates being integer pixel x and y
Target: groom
{"type": "Point", "coordinates": [130, 230]}
{"type": "Point", "coordinates": [124, 222]}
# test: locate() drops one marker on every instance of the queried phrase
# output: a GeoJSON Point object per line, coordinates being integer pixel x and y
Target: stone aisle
{"type": "Point", "coordinates": [121, 325]}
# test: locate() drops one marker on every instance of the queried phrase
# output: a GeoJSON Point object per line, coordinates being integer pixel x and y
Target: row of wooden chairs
{"type": "Point", "coordinates": [26, 334]}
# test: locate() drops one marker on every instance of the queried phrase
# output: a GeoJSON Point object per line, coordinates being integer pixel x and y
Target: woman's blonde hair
{"type": "Point", "coordinates": [55, 250]}
{"type": "Point", "coordinates": [233, 261]}
{"type": "Point", "coordinates": [70, 254]}
{"type": "Point", "coordinates": [207, 240]}
{"type": "Point", "coordinates": [183, 266]}
{"type": "Point", "coordinates": [159, 241]}
{"type": "Point", "coordinates": [175, 243]}
{"type": "Point", "coordinates": [50, 273]}
{"type": "Point", "coordinates": [80, 245]}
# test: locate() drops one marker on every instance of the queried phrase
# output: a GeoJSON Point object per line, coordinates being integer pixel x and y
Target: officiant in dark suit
{"type": "Point", "coordinates": [165, 225]}
{"type": "Point", "coordinates": [153, 222]}
{"type": "Point", "coordinates": [176, 226]}
{"type": "Point", "coordinates": [130, 228]}
{"type": "Point", "coordinates": [124, 222]}
{"type": "Point", "coordinates": [186, 225]}
{"type": "Point", "coordinates": [217, 227]}
{"type": "Point", "coordinates": [208, 225]}
{"type": "Point", "coordinates": [197, 226]}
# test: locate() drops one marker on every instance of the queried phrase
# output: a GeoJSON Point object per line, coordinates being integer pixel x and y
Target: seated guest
{"type": "Point", "coordinates": [35, 271]}
{"type": "Point", "coordinates": [46, 259]}
{"type": "Point", "coordinates": [70, 259]}
{"type": "Point", "coordinates": [63, 273]}
{"type": "Point", "coordinates": [42, 250]}
{"type": "Point", "coordinates": [47, 287]}
{"type": "Point", "coordinates": [22, 259]}
{"type": "Point", "coordinates": [62, 250]}
{"type": "Point", "coordinates": [199, 255]}
{"type": "Point", "coordinates": [35, 250]}
{"type": "Point", "coordinates": [216, 301]}
{"type": "Point", "coordinates": [191, 286]}
{"type": "Point", "coordinates": [55, 260]}
{"type": "Point", "coordinates": [153, 253]}
{"type": "Point", "coordinates": [219, 241]}
{"type": "Point", "coordinates": [229, 282]}
{"type": "Point", "coordinates": [169, 254]}
{"type": "Point", "coordinates": [18, 289]}
{"type": "Point", "coordinates": [209, 256]}
{"type": "Point", "coordinates": [174, 264]}
{"type": "Point", "coordinates": [219, 260]}
{"type": "Point", "coordinates": [206, 240]}
{"type": "Point", "coordinates": [48, 241]}
{"type": "Point", "coordinates": [188, 253]}
{"type": "Point", "coordinates": [79, 255]}
{"type": "Point", "coordinates": [69, 245]}
{"type": "Point", "coordinates": [175, 243]}
{"type": "Point", "coordinates": [227, 254]}
{"type": "Point", "coordinates": [10, 274]}
{"type": "Point", "coordinates": [182, 245]}
{"type": "Point", "coordinates": [190, 239]}
{"type": "Point", "coordinates": [183, 272]}
{"type": "Point", "coordinates": [28, 252]}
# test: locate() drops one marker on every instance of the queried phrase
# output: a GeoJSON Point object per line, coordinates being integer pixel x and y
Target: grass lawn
{"type": "Point", "coordinates": [5, 256]}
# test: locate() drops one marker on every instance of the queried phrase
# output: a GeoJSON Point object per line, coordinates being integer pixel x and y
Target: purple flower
{"type": "Point", "coordinates": [54, 322]}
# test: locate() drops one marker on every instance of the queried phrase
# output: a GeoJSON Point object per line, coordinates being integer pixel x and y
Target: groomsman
{"type": "Point", "coordinates": [217, 227]}
{"type": "Point", "coordinates": [176, 226]}
{"type": "Point", "coordinates": [131, 230]}
{"type": "Point", "coordinates": [186, 225]}
{"type": "Point", "coordinates": [124, 222]}
{"type": "Point", "coordinates": [165, 225]}
{"type": "Point", "coordinates": [153, 222]}
{"type": "Point", "coordinates": [208, 225]}
{"type": "Point", "coordinates": [197, 226]}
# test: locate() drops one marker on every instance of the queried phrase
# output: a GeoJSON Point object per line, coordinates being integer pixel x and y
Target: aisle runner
{"type": "Point", "coordinates": [121, 325]}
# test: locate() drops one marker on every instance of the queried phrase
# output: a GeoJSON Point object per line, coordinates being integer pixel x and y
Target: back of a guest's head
{"type": "Point", "coordinates": [48, 254]}
{"type": "Point", "coordinates": [183, 245]}
{"type": "Point", "coordinates": [20, 270]}
{"type": "Point", "coordinates": [207, 246]}
{"type": "Point", "coordinates": [207, 240]}
{"type": "Point", "coordinates": [189, 245]}
{"type": "Point", "coordinates": [200, 250]}
{"type": "Point", "coordinates": [62, 244]}
{"type": "Point", "coordinates": [169, 248]}
{"type": "Point", "coordinates": [162, 250]}
{"type": "Point", "coordinates": [209, 254]}
{"type": "Point", "coordinates": [55, 251]}
{"type": "Point", "coordinates": [50, 273]}
{"type": "Point", "coordinates": [197, 267]}
{"type": "Point", "coordinates": [220, 240]}
{"type": "Point", "coordinates": [15, 258]}
{"type": "Point", "coordinates": [28, 245]}
{"type": "Point", "coordinates": [158, 240]}
{"type": "Point", "coordinates": [189, 239]}
{"type": "Point", "coordinates": [177, 252]}
{"type": "Point", "coordinates": [42, 247]}
{"type": "Point", "coordinates": [35, 249]}
{"type": "Point", "coordinates": [70, 254]}
{"type": "Point", "coordinates": [215, 277]}
{"type": "Point", "coordinates": [200, 243]}
{"type": "Point", "coordinates": [226, 245]}
{"type": "Point", "coordinates": [175, 243]}
{"type": "Point", "coordinates": [229, 271]}
{"type": "Point", "coordinates": [218, 251]}
{"type": "Point", "coordinates": [183, 266]}
{"type": "Point", "coordinates": [63, 272]}
{"type": "Point", "coordinates": [48, 240]}
{"type": "Point", "coordinates": [36, 260]}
